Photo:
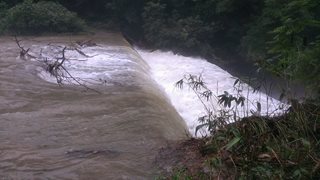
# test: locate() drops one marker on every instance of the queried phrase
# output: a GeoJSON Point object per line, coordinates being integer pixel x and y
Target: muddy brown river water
{"type": "Point", "coordinates": [53, 132]}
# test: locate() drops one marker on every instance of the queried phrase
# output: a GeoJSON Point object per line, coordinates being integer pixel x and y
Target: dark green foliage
{"type": "Point", "coordinates": [188, 34]}
{"type": "Point", "coordinates": [285, 40]}
{"type": "Point", "coordinates": [127, 14]}
{"type": "Point", "coordinates": [3, 9]}
{"type": "Point", "coordinates": [197, 27]}
{"type": "Point", "coordinates": [285, 147]}
{"type": "Point", "coordinates": [11, 3]}
{"type": "Point", "coordinates": [3, 12]}
{"type": "Point", "coordinates": [33, 18]}
{"type": "Point", "coordinates": [167, 32]}
{"type": "Point", "coordinates": [282, 35]}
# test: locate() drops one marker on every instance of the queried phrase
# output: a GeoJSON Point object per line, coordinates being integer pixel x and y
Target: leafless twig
{"type": "Point", "coordinates": [24, 54]}
{"type": "Point", "coordinates": [55, 65]}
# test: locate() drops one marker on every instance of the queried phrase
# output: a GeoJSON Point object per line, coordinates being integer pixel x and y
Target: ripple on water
{"type": "Point", "coordinates": [52, 132]}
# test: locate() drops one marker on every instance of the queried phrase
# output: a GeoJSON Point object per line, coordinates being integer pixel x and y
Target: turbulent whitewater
{"type": "Point", "coordinates": [68, 132]}
{"type": "Point", "coordinates": [168, 68]}
{"type": "Point", "coordinates": [113, 130]}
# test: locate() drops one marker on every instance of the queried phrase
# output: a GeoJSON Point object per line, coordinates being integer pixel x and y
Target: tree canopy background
{"type": "Point", "coordinates": [281, 35]}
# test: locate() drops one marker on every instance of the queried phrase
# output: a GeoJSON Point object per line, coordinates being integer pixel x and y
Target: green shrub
{"type": "Point", "coordinates": [285, 40]}
{"type": "Point", "coordinates": [35, 18]}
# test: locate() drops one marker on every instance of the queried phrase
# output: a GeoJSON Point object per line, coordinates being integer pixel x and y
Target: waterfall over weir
{"type": "Point", "coordinates": [168, 68]}
{"type": "Point", "coordinates": [69, 132]}
{"type": "Point", "coordinates": [53, 132]}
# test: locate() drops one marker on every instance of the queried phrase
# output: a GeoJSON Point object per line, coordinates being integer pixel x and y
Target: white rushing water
{"type": "Point", "coordinates": [70, 132]}
{"type": "Point", "coordinates": [110, 65]}
{"type": "Point", "coordinates": [168, 68]}
{"type": "Point", "coordinates": [118, 64]}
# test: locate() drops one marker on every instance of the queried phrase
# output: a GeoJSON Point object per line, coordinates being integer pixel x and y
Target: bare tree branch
{"type": "Point", "coordinates": [55, 65]}
{"type": "Point", "coordinates": [24, 54]}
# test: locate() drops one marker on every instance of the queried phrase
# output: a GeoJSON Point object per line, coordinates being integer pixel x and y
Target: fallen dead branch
{"type": "Point", "coordinates": [24, 53]}
{"type": "Point", "coordinates": [55, 66]}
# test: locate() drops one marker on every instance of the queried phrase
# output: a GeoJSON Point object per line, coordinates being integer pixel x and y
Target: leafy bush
{"type": "Point", "coordinates": [44, 16]}
{"type": "Point", "coordinates": [285, 40]}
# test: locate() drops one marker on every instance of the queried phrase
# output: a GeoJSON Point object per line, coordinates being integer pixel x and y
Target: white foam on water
{"type": "Point", "coordinates": [119, 64]}
{"type": "Point", "coordinates": [168, 68]}
{"type": "Point", "coordinates": [108, 64]}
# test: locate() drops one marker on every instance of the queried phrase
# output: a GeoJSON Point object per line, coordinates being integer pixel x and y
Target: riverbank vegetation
{"type": "Point", "coordinates": [280, 36]}
{"type": "Point", "coordinates": [246, 143]}
{"type": "Point", "coordinates": [35, 18]}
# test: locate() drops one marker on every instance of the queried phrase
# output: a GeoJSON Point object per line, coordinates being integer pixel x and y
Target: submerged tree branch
{"type": "Point", "coordinates": [55, 66]}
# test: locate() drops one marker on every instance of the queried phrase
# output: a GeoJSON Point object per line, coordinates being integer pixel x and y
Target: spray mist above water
{"type": "Point", "coordinates": [168, 68]}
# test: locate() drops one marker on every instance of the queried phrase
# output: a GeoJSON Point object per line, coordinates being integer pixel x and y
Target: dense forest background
{"type": "Point", "coordinates": [279, 35]}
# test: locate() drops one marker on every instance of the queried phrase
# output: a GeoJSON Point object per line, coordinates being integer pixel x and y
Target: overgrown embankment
{"type": "Point", "coordinates": [246, 143]}
{"type": "Point", "coordinates": [284, 147]}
